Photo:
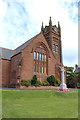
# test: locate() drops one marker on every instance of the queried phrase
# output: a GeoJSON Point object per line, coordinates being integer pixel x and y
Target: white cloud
{"type": "Point", "coordinates": [2, 9]}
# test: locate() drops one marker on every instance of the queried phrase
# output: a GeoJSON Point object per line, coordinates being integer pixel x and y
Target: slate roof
{"type": "Point", "coordinates": [7, 53]}
{"type": "Point", "coordinates": [21, 47]}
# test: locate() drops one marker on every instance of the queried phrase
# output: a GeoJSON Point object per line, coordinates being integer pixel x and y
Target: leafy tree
{"type": "Point", "coordinates": [34, 79]}
{"type": "Point", "coordinates": [71, 77]}
{"type": "Point", "coordinates": [79, 77]}
{"type": "Point", "coordinates": [52, 80]}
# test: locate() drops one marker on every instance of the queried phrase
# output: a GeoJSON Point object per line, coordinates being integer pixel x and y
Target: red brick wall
{"type": "Point", "coordinates": [27, 66]}
{"type": "Point", "coordinates": [5, 72]}
{"type": "Point", "coordinates": [28, 59]}
{"type": "Point", "coordinates": [15, 60]}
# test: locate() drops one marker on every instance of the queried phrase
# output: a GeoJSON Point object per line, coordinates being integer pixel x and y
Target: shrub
{"type": "Point", "coordinates": [22, 82]}
{"type": "Point", "coordinates": [45, 83]}
{"type": "Point", "coordinates": [26, 83]}
{"type": "Point", "coordinates": [38, 83]}
{"type": "Point", "coordinates": [58, 82]}
{"type": "Point", "coordinates": [55, 84]}
{"type": "Point", "coordinates": [52, 80]}
{"type": "Point", "coordinates": [29, 80]}
{"type": "Point", "coordinates": [34, 79]}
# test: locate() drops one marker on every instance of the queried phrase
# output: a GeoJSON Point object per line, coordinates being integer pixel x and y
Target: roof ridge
{"type": "Point", "coordinates": [25, 42]}
{"type": "Point", "coordinates": [10, 53]}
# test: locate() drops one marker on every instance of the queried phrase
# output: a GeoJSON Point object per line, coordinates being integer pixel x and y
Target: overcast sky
{"type": "Point", "coordinates": [21, 19]}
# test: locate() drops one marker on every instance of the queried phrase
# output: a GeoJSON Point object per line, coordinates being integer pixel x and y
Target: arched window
{"type": "Point", "coordinates": [40, 60]}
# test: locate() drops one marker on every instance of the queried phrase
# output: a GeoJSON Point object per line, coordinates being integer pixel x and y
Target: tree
{"type": "Point", "coordinates": [79, 77]}
{"type": "Point", "coordinates": [52, 80]}
{"type": "Point", "coordinates": [71, 77]}
{"type": "Point", "coordinates": [34, 79]}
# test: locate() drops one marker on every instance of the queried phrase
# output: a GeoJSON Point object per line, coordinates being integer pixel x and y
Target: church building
{"type": "Point", "coordinates": [41, 55]}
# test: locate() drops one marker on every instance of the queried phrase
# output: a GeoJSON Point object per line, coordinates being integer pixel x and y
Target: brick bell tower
{"type": "Point", "coordinates": [52, 34]}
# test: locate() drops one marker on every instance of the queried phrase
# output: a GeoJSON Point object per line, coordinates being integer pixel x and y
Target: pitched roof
{"type": "Point", "coordinates": [7, 53]}
{"type": "Point", "coordinates": [21, 47]}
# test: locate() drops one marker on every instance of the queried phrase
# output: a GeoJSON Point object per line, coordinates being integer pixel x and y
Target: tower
{"type": "Point", "coordinates": [52, 35]}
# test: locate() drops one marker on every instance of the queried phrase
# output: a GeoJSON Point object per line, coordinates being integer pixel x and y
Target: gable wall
{"type": "Point", "coordinates": [15, 60]}
{"type": "Point", "coordinates": [5, 72]}
{"type": "Point", "coordinates": [28, 60]}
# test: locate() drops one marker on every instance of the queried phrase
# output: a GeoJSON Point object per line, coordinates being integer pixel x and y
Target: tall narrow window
{"type": "Point", "coordinates": [45, 58]}
{"type": "Point", "coordinates": [37, 55]}
{"type": "Point", "coordinates": [42, 69]}
{"type": "Point", "coordinates": [34, 55]}
{"type": "Point", "coordinates": [34, 68]}
{"type": "Point", "coordinates": [56, 48]}
{"type": "Point", "coordinates": [40, 60]}
{"type": "Point", "coordinates": [45, 70]}
{"type": "Point", "coordinates": [40, 56]}
{"type": "Point", "coordinates": [37, 68]}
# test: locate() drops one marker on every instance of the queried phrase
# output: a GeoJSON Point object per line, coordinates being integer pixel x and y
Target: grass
{"type": "Point", "coordinates": [39, 104]}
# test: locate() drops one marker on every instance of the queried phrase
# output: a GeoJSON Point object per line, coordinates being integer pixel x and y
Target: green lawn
{"type": "Point", "coordinates": [39, 104]}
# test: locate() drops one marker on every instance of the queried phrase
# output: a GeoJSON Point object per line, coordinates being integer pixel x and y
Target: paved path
{"type": "Point", "coordinates": [37, 88]}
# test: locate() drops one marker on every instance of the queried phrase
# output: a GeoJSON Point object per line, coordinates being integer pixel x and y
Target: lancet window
{"type": "Point", "coordinates": [40, 60]}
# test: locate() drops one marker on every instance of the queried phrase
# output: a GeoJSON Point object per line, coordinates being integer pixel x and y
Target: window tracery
{"type": "Point", "coordinates": [40, 60]}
